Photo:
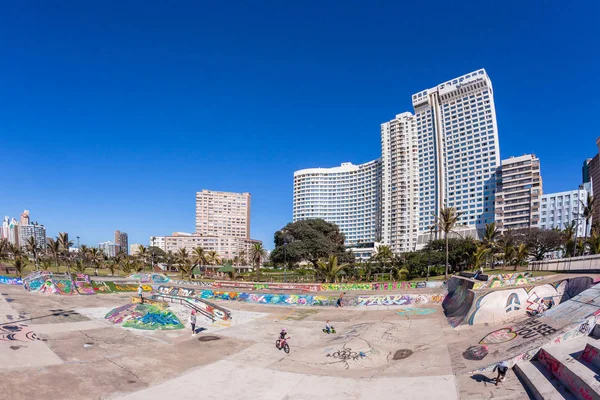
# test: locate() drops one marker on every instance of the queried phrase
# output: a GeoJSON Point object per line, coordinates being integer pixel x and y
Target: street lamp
{"type": "Point", "coordinates": [153, 238]}
{"type": "Point", "coordinates": [428, 253]}
{"type": "Point", "coordinates": [284, 261]}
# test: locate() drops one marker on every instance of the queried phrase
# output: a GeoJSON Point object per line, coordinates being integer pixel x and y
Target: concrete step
{"type": "Point", "coordinates": [591, 354]}
{"type": "Point", "coordinates": [540, 382]}
{"type": "Point", "coordinates": [576, 376]}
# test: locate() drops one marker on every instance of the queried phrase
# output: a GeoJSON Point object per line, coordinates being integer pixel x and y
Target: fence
{"type": "Point", "coordinates": [573, 264]}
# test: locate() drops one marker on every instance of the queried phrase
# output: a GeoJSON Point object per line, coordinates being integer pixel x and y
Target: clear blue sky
{"type": "Point", "coordinates": [113, 114]}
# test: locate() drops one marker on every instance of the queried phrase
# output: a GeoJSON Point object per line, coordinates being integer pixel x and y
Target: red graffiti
{"type": "Point", "coordinates": [589, 353]}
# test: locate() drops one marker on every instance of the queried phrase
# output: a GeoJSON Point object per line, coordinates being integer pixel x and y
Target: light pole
{"type": "Point", "coordinates": [428, 253]}
{"type": "Point", "coordinates": [284, 261]}
{"type": "Point", "coordinates": [78, 242]}
{"type": "Point", "coordinates": [153, 238]}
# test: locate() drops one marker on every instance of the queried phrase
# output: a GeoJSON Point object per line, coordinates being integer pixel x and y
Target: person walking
{"type": "Point", "coordinates": [193, 322]}
{"type": "Point", "coordinates": [140, 292]}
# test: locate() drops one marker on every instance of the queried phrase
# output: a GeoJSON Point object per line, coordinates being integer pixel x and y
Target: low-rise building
{"type": "Point", "coordinates": [227, 248]}
{"type": "Point", "coordinates": [560, 209]}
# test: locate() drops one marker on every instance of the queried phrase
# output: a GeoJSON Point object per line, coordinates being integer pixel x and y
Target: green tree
{"type": "Point", "coordinates": [212, 258]}
{"type": "Point", "coordinates": [184, 263]}
{"type": "Point", "coordinates": [257, 254]}
{"type": "Point", "coordinates": [79, 266]}
{"type": "Point", "coordinates": [20, 263]}
{"type": "Point", "coordinates": [594, 243]}
{"type": "Point", "coordinates": [3, 248]}
{"type": "Point", "coordinates": [479, 256]}
{"type": "Point", "coordinates": [53, 248]}
{"type": "Point", "coordinates": [330, 269]}
{"type": "Point", "coordinates": [569, 237]}
{"type": "Point", "coordinates": [199, 257]}
{"type": "Point", "coordinates": [65, 244]}
{"type": "Point", "coordinates": [309, 240]}
{"type": "Point", "coordinates": [588, 211]}
{"type": "Point", "coordinates": [521, 255]}
{"type": "Point", "coordinates": [128, 265]}
{"type": "Point", "coordinates": [385, 257]}
{"type": "Point", "coordinates": [542, 241]}
{"type": "Point", "coordinates": [142, 254]}
{"type": "Point", "coordinates": [96, 257]}
{"type": "Point", "coordinates": [33, 249]}
{"type": "Point", "coordinates": [446, 222]}
{"type": "Point", "coordinates": [490, 237]}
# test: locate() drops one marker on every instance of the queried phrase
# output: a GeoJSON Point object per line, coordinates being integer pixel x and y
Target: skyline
{"type": "Point", "coordinates": [112, 132]}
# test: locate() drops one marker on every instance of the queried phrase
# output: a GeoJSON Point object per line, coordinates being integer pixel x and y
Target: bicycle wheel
{"type": "Point", "coordinates": [286, 348]}
{"type": "Point", "coordinates": [277, 344]}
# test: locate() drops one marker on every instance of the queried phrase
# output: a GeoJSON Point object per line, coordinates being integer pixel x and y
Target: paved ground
{"type": "Point", "coordinates": [376, 353]}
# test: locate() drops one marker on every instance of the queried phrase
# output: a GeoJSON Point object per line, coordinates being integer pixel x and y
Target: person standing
{"type": "Point", "coordinates": [193, 322]}
{"type": "Point", "coordinates": [140, 292]}
{"type": "Point", "coordinates": [502, 368]}
{"type": "Point", "coordinates": [340, 300]}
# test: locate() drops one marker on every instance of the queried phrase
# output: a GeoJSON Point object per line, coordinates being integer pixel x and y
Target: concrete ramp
{"type": "Point", "coordinates": [520, 342]}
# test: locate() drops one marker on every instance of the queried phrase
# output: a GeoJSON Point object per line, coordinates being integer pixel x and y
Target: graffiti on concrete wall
{"type": "Point", "coordinates": [397, 300]}
{"type": "Point", "coordinates": [131, 288]}
{"type": "Point", "coordinates": [410, 311]}
{"type": "Point", "coordinates": [9, 280]}
{"type": "Point", "coordinates": [327, 287]}
{"type": "Point", "coordinates": [149, 278]}
{"type": "Point", "coordinates": [499, 336]}
{"type": "Point", "coordinates": [476, 353]}
{"type": "Point", "coordinates": [144, 316]}
{"type": "Point", "coordinates": [17, 333]}
{"type": "Point", "coordinates": [504, 280]}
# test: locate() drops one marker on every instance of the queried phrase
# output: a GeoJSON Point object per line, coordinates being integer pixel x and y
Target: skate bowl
{"type": "Point", "coordinates": [46, 282]}
{"type": "Point", "coordinates": [464, 305]}
{"type": "Point", "coordinates": [144, 316]}
{"type": "Point", "coordinates": [520, 341]}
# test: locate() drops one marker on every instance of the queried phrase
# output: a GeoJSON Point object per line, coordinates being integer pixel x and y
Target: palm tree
{"type": "Point", "coordinates": [243, 260]}
{"type": "Point", "coordinates": [3, 248]}
{"type": "Point", "coordinates": [142, 253]}
{"type": "Point", "coordinates": [480, 255]}
{"type": "Point", "coordinates": [96, 257]}
{"type": "Point", "coordinates": [594, 243]}
{"type": "Point", "coordinates": [446, 222]}
{"type": "Point", "coordinates": [20, 263]}
{"type": "Point", "coordinates": [490, 236]}
{"type": "Point", "coordinates": [212, 258]}
{"type": "Point", "coordinates": [53, 247]}
{"type": "Point", "coordinates": [128, 266]}
{"type": "Point", "coordinates": [384, 256]}
{"type": "Point", "coordinates": [184, 262]}
{"type": "Point", "coordinates": [521, 255]}
{"type": "Point", "coordinates": [257, 253]}
{"type": "Point", "coordinates": [32, 247]}
{"type": "Point", "coordinates": [79, 266]}
{"type": "Point", "coordinates": [330, 269]}
{"type": "Point", "coordinates": [588, 211]}
{"type": "Point", "coordinates": [199, 257]}
{"type": "Point", "coordinates": [569, 233]}
{"type": "Point", "coordinates": [169, 260]}
{"type": "Point", "coordinates": [65, 244]}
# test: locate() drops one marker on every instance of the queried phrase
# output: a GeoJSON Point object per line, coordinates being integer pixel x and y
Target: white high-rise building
{"type": "Point", "coordinates": [109, 248]}
{"type": "Point", "coordinates": [518, 193]}
{"type": "Point", "coordinates": [347, 196]}
{"type": "Point", "coordinates": [458, 151]}
{"type": "Point", "coordinates": [560, 209]}
{"type": "Point", "coordinates": [399, 183]}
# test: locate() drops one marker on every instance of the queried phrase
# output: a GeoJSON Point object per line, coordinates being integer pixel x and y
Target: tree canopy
{"type": "Point", "coordinates": [309, 240]}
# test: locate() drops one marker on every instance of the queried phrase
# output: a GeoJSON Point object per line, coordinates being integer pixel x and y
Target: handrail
{"type": "Point", "coordinates": [188, 304]}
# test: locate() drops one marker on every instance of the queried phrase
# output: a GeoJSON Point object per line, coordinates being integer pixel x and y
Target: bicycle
{"type": "Point", "coordinates": [282, 344]}
{"type": "Point", "coordinates": [331, 330]}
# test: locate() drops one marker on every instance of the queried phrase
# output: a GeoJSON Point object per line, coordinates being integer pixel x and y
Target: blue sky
{"type": "Point", "coordinates": [113, 114]}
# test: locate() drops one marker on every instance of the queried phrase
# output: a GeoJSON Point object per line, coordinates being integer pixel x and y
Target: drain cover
{"type": "Point", "coordinates": [402, 354]}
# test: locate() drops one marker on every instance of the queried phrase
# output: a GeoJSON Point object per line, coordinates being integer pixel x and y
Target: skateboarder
{"type": "Point", "coordinates": [140, 292]}
{"type": "Point", "coordinates": [502, 368]}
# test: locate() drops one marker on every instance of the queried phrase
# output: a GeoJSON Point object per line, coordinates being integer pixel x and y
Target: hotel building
{"type": "Point", "coordinates": [560, 209]}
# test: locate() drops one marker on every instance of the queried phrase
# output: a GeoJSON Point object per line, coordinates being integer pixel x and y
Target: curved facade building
{"type": "Point", "coordinates": [348, 195]}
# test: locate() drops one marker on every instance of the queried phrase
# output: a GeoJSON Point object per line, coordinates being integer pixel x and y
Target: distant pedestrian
{"type": "Point", "coordinates": [140, 292]}
{"type": "Point", "coordinates": [502, 368]}
{"type": "Point", "coordinates": [340, 300]}
{"type": "Point", "coordinates": [193, 322]}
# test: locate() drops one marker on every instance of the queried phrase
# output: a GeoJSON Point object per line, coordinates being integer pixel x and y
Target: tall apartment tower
{"type": "Point", "coordinates": [594, 177]}
{"type": "Point", "coordinates": [458, 151]}
{"type": "Point", "coordinates": [223, 214]}
{"type": "Point", "coordinates": [24, 218]}
{"type": "Point", "coordinates": [122, 240]}
{"type": "Point", "coordinates": [399, 183]}
{"type": "Point", "coordinates": [518, 193]}
{"type": "Point", "coordinates": [347, 196]}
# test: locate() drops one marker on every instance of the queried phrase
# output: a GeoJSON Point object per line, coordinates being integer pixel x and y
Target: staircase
{"type": "Point", "coordinates": [569, 370]}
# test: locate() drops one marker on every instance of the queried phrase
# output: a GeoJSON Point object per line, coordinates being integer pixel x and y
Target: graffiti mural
{"type": "Point", "coordinates": [131, 288]}
{"type": "Point", "coordinates": [476, 353]}
{"type": "Point", "coordinates": [415, 311]}
{"type": "Point", "coordinates": [149, 278]}
{"type": "Point", "coordinates": [17, 333]}
{"type": "Point", "coordinates": [143, 316]}
{"type": "Point", "coordinates": [504, 280]}
{"type": "Point", "coordinates": [397, 300]}
{"type": "Point", "coordinates": [8, 280]}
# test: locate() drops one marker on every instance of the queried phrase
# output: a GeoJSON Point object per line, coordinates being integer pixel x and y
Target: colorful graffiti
{"type": "Point", "coordinates": [131, 288]}
{"type": "Point", "coordinates": [410, 311]}
{"type": "Point", "coordinates": [397, 300]}
{"type": "Point", "coordinates": [144, 316]}
{"type": "Point", "coordinates": [590, 354]}
{"type": "Point", "coordinates": [566, 376]}
{"type": "Point", "coordinates": [149, 278]}
{"type": "Point", "coordinates": [156, 303]}
{"type": "Point", "coordinates": [17, 333]}
{"type": "Point", "coordinates": [9, 280]}
{"type": "Point", "coordinates": [326, 287]}
{"type": "Point", "coordinates": [504, 280]}
{"type": "Point", "coordinates": [46, 282]}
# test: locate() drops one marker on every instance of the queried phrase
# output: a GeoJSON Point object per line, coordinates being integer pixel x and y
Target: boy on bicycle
{"type": "Point", "coordinates": [282, 334]}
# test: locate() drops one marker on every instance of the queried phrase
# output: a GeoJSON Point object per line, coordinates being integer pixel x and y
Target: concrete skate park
{"type": "Point", "coordinates": [82, 338]}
